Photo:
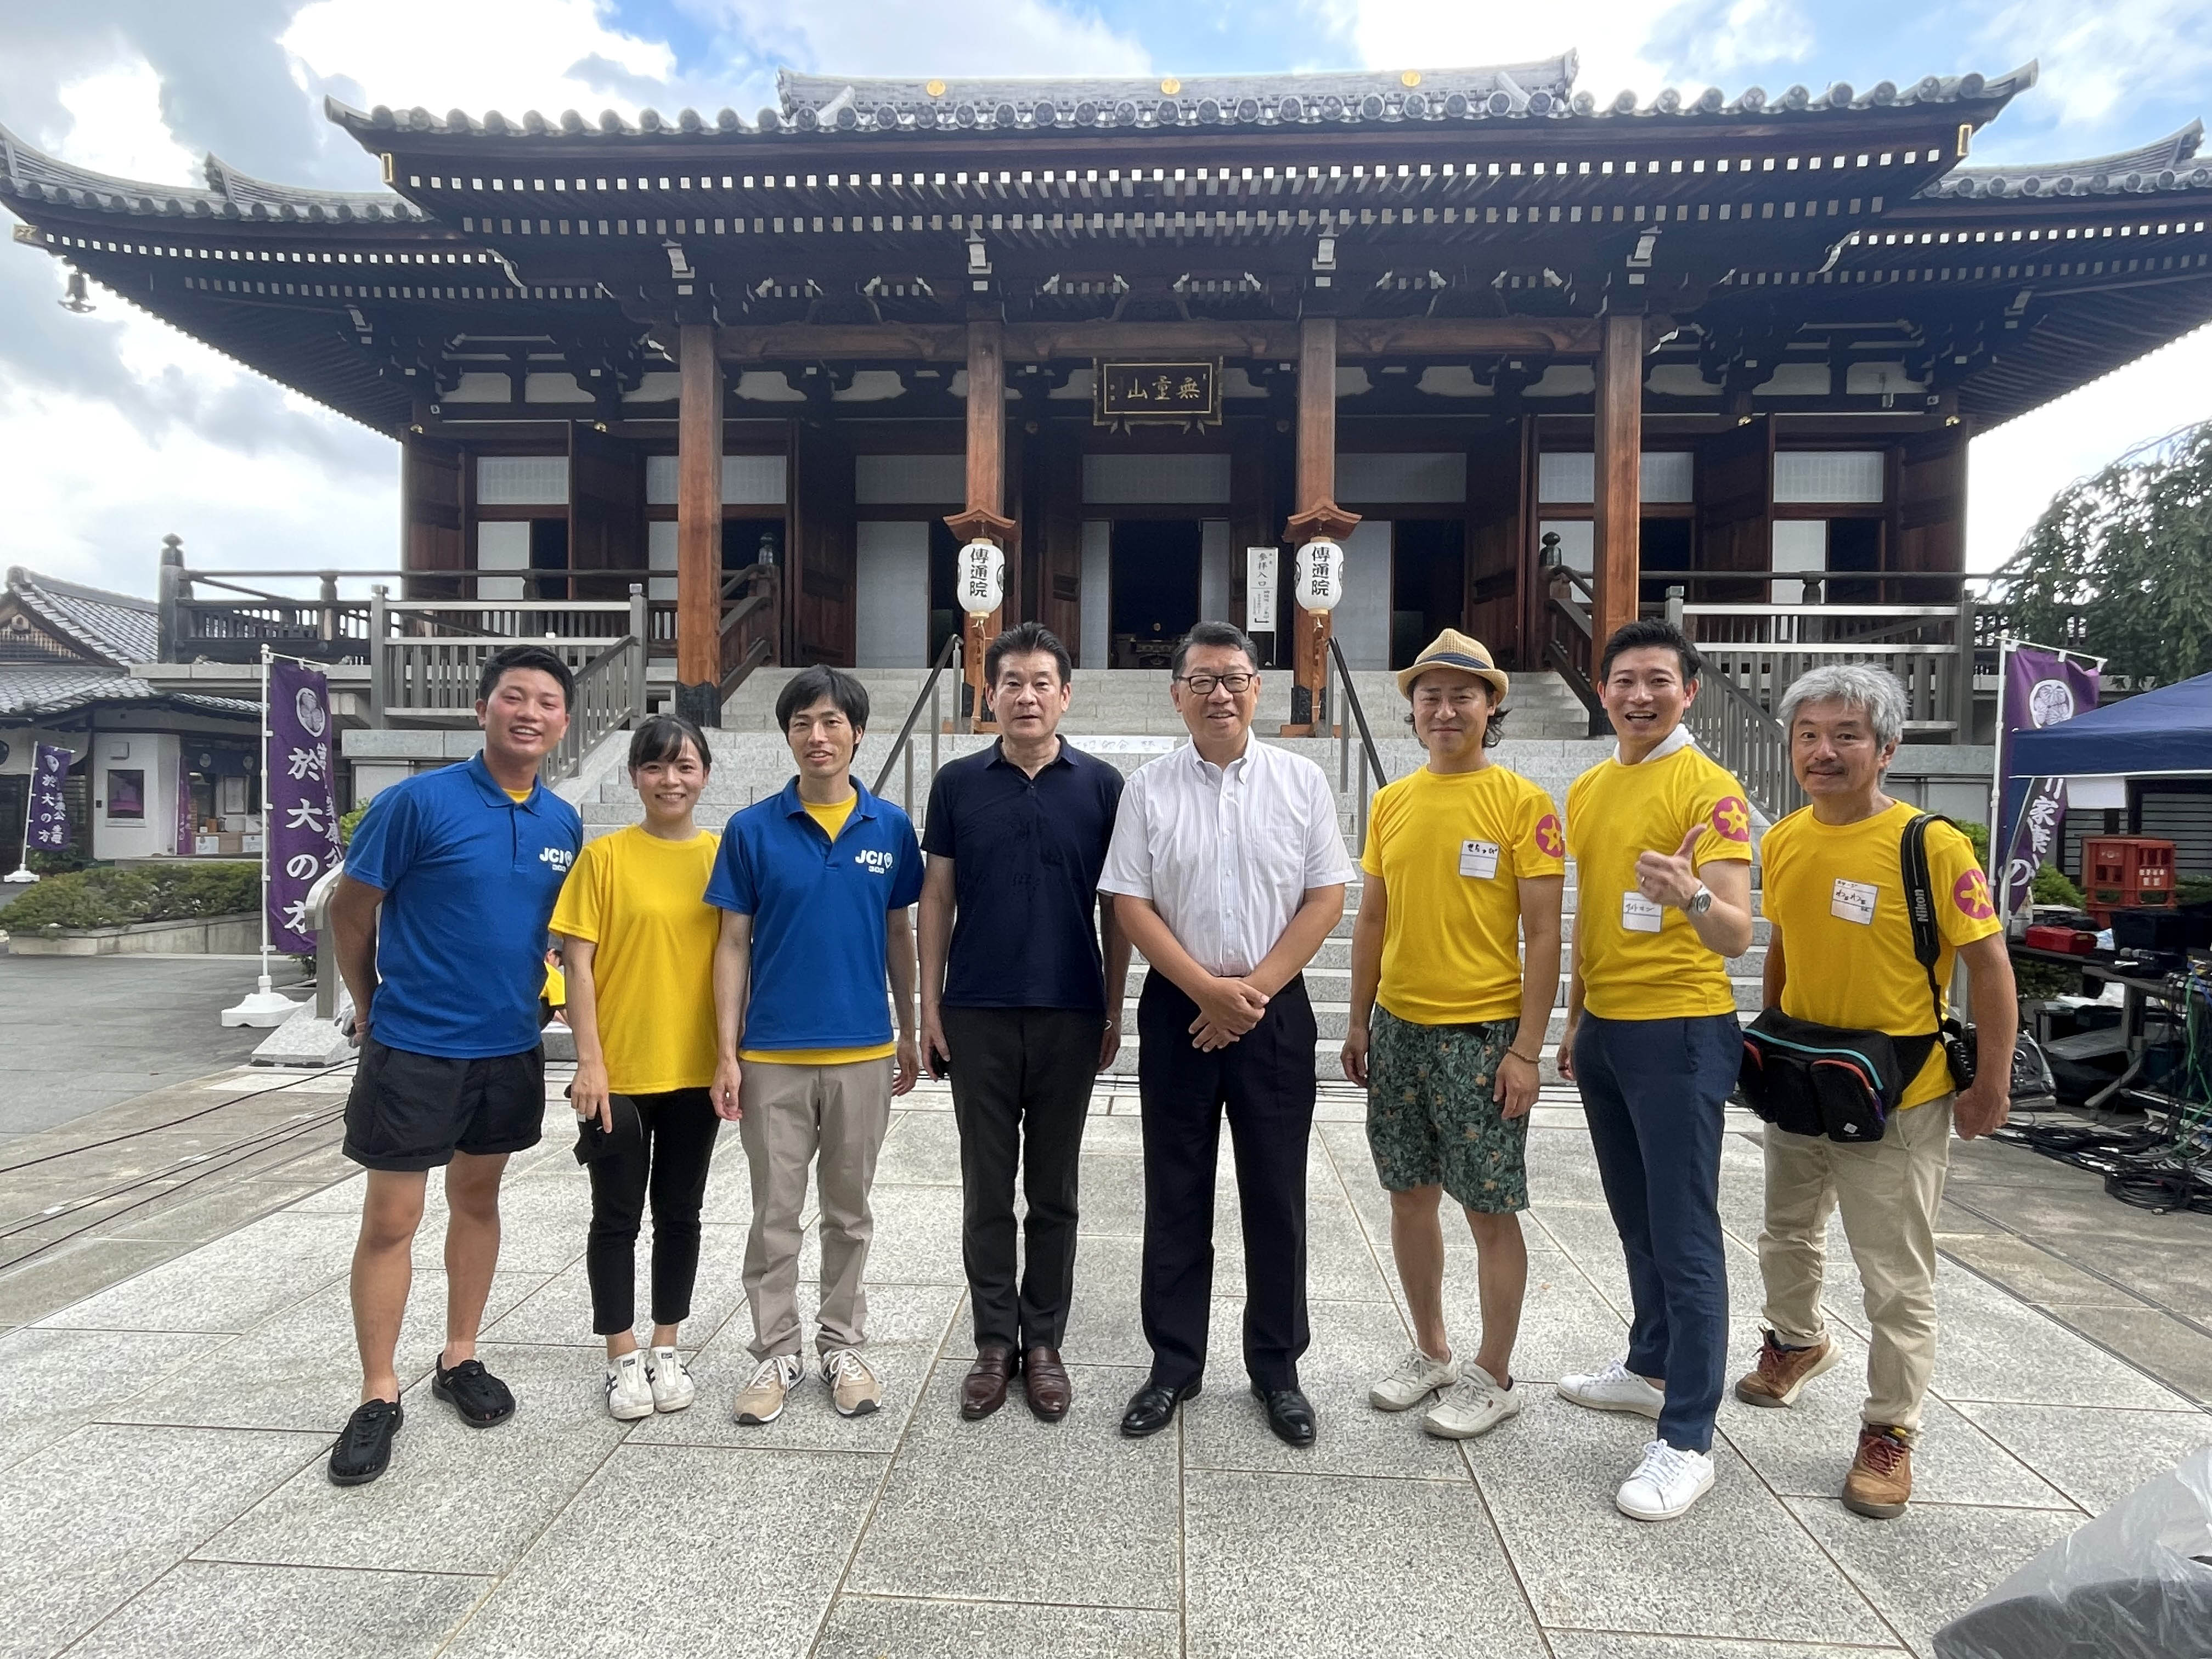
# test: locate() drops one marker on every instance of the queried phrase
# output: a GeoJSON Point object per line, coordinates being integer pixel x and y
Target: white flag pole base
{"type": "Point", "coordinates": [263, 1008]}
{"type": "Point", "coordinates": [24, 875]}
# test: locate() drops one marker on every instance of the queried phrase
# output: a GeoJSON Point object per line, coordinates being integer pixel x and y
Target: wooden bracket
{"type": "Point", "coordinates": [1326, 518]}
{"type": "Point", "coordinates": [980, 524]}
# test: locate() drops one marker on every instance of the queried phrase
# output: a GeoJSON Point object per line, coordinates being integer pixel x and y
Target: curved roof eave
{"type": "Point", "coordinates": [29, 173]}
{"type": "Point", "coordinates": [2163, 164]}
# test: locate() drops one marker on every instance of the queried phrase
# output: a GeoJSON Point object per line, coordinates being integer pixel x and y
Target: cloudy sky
{"type": "Point", "coordinates": [115, 430]}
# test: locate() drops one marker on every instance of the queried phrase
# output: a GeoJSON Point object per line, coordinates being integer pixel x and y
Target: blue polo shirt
{"type": "Point", "coordinates": [821, 911]}
{"type": "Point", "coordinates": [1026, 853]}
{"type": "Point", "coordinates": [469, 877]}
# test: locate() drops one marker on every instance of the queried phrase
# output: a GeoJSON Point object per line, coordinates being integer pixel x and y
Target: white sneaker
{"type": "Point", "coordinates": [1476, 1407]}
{"type": "Point", "coordinates": [629, 1393]}
{"type": "Point", "coordinates": [853, 1388]}
{"type": "Point", "coordinates": [1411, 1381]}
{"type": "Point", "coordinates": [761, 1400]}
{"type": "Point", "coordinates": [1615, 1389]}
{"type": "Point", "coordinates": [672, 1387]}
{"type": "Point", "coordinates": [1665, 1484]}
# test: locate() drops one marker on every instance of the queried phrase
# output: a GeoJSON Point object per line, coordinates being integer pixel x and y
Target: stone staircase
{"type": "Point", "coordinates": [752, 762]}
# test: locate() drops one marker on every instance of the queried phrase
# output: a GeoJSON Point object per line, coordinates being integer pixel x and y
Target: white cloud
{"type": "Point", "coordinates": [2013, 473]}
{"type": "Point", "coordinates": [116, 126]}
{"type": "Point", "coordinates": [938, 37]}
{"type": "Point", "coordinates": [2100, 61]}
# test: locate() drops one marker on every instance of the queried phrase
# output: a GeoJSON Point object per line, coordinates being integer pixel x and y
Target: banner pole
{"type": "Point", "coordinates": [23, 871]}
{"type": "Point", "coordinates": [263, 1007]}
{"type": "Point", "coordinates": [2001, 851]}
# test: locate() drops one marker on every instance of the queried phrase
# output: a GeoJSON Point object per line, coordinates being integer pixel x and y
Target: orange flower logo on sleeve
{"type": "Point", "coordinates": [1971, 893]}
{"type": "Point", "coordinates": [1732, 817]}
{"type": "Point", "coordinates": [1550, 840]}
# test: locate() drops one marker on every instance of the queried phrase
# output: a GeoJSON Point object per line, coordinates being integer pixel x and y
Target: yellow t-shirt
{"type": "Point", "coordinates": [1641, 961]}
{"type": "Point", "coordinates": [1452, 849]}
{"type": "Point", "coordinates": [1820, 879]}
{"type": "Point", "coordinates": [519, 796]}
{"type": "Point", "coordinates": [832, 818]}
{"type": "Point", "coordinates": [641, 901]}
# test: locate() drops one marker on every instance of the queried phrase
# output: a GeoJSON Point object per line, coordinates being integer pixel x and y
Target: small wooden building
{"type": "Point", "coordinates": [1148, 336]}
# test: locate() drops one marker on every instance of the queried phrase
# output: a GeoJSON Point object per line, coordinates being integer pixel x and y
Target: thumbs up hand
{"type": "Point", "coordinates": [1670, 877]}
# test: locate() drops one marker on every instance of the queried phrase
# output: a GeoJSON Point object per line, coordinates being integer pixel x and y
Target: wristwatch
{"type": "Point", "coordinates": [1700, 902]}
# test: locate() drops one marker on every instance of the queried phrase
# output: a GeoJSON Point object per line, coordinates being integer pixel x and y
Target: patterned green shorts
{"type": "Point", "coordinates": [1431, 1121]}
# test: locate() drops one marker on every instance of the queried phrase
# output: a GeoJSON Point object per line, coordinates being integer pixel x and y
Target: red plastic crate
{"type": "Point", "coordinates": [2126, 872]}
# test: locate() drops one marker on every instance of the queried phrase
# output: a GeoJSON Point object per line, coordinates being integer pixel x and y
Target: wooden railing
{"type": "Point", "coordinates": [433, 673]}
{"type": "Point", "coordinates": [749, 622]}
{"type": "Point", "coordinates": [1748, 741]}
{"type": "Point", "coordinates": [1568, 647]}
{"type": "Point", "coordinates": [610, 694]}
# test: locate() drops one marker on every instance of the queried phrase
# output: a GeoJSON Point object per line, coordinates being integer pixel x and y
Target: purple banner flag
{"type": "Point", "coordinates": [2041, 687]}
{"type": "Point", "coordinates": [301, 822]}
{"type": "Point", "coordinates": [186, 824]}
{"type": "Point", "coordinates": [48, 825]}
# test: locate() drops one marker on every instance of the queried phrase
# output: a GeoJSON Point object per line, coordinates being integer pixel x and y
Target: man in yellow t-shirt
{"type": "Point", "coordinates": [1661, 840]}
{"type": "Point", "coordinates": [1463, 856]}
{"type": "Point", "coordinates": [1835, 895]}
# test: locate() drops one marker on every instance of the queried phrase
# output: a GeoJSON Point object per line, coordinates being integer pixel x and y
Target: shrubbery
{"type": "Point", "coordinates": [110, 897]}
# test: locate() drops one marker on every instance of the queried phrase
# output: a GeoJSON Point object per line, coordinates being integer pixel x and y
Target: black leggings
{"type": "Point", "coordinates": [663, 1143]}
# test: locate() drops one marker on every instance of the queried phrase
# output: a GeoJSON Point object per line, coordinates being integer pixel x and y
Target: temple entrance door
{"type": "Point", "coordinates": [1155, 593]}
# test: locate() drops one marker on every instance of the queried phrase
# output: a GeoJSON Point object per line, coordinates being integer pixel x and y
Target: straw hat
{"type": "Point", "coordinates": [1453, 649]}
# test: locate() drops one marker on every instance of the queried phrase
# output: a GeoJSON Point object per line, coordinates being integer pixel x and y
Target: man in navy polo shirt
{"type": "Point", "coordinates": [1017, 1005]}
{"type": "Point", "coordinates": [816, 950]}
{"type": "Point", "coordinates": [440, 921]}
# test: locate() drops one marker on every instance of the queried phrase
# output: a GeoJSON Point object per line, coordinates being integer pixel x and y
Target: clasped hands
{"type": "Point", "coordinates": [1228, 1007]}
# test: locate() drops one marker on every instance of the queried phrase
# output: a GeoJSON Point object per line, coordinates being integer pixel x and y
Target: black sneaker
{"type": "Point", "coordinates": [481, 1398]}
{"type": "Point", "coordinates": [364, 1445]}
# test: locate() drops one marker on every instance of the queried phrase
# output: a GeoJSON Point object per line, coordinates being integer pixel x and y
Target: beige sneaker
{"type": "Point", "coordinates": [856, 1390]}
{"type": "Point", "coordinates": [761, 1400]}
{"type": "Point", "coordinates": [1880, 1483]}
{"type": "Point", "coordinates": [1784, 1372]}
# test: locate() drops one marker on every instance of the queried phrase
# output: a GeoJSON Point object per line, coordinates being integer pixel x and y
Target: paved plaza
{"type": "Point", "coordinates": [161, 1485]}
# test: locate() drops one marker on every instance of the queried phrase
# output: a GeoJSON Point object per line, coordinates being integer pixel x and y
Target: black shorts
{"type": "Point", "coordinates": [410, 1111]}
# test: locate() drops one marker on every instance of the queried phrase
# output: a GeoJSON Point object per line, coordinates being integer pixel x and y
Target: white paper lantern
{"type": "Point", "coordinates": [982, 578]}
{"type": "Point", "coordinates": [1321, 575]}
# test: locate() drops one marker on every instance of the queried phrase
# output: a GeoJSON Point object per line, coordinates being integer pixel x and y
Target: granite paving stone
{"type": "Point", "coordinates": [2031, 1272]}
{"type": "Point", "coordinates": [1105, 1324]}
{"type": "Point", "coordinates": [1110, 1194]}
{"type": "Point", "coordinates": [916, 1240]}
{"type": "Point", "coordinates": [921, 1150]}
{"type": "Point", "coordinates": [54, 1380]}
{"type": "Point", "coordinates": [70, 1272]}
{"type": "Point", "coordinates": [1992, 1346]}
{"type": "Point", "coordinates": [245, 1611]}
{"type": "Point", "coordinates": [2177, 1352]}
{"type": "Point", "coordinates": [230, 1286]}
{"type": "Point", "coordinates": [873, 1627]}
{"type": "Point", "coordinates": [78, 1536]}
{"type": "Point", "coordinates": [729, 1553]}
{"type": "Point", "coordinates": [1587, 1565]}
{"type": "Point", "coordinates": [561, 1311]}
{"type": "Point", "coordinates": [1252, 1539]}
{"type": "Point", "coordinates": [1113, 1502]}
{"type": "Point", "coordinates": [1935, 1560]}
{"type": "Point", "coordinates": [2095, 1457]}
{"type": "Point", "coordinates": [1615, 1644]}
{"type": "Point", "coordinates": [456, 1498]}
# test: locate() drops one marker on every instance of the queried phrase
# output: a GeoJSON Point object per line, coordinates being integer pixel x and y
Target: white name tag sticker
{"type": "Point", "coordinates": [1853, 901]}
{"type": "Point", "coordinates": [1479, 858]}
{"type": "Point", "coordinates": [1639, 914]}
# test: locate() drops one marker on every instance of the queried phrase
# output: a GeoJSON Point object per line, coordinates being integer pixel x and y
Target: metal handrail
{"type": "Point", "coordinates": [902, 745]}
{"type": "Point", "coordinates": [1370, 757]}
{"type": "Point", "coordinates": [1749, 742]}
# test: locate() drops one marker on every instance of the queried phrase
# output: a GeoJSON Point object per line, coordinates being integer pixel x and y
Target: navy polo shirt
{"type": "Point", "coordinates": [1026, 853]}
{"type": "Point", "coordinates": [469, 877]}
{"type": "Point", "coordinates": [821, 911]}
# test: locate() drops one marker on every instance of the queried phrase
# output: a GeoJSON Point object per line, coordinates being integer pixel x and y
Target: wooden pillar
{"type": "Point", "coordinates": [1317, 514]}
{"type": "Point", "coordinates": [1618, 496]}
{"type": "Point", "coordinates": [982, 519]}
{"type": "Point", "coordinates": [699, 527]}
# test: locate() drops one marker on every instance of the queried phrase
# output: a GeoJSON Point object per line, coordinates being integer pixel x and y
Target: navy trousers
{"type": "Point", "coordinates": [1653, 1092]}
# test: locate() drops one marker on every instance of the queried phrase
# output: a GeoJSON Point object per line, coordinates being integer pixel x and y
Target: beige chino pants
{"type": "Point", "coordinates": [1887, 1192]}
{"type": "Point", "coordinates": [792, 1114]}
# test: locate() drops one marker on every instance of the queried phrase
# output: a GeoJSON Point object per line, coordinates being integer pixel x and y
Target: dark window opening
{"type": "Point", "coordinates": [747, 542]}
{"type": "Point", "coordinates": [1855, 544]}
{"type": "Point", "coordinates": [1427, 583]}
{"type": "Point", "coordinates": [549, 550]}
{"type": "Point", "coordinates": [1155, 601]}
{"type": "Point", "coordinates": [1662, 544]}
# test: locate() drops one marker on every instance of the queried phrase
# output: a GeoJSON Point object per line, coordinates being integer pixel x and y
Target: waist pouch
{"type": "Point", "coordinates": [1809, 1080]}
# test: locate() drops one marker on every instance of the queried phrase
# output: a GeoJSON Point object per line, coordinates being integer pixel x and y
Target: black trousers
{"type": "Point", "coordinates": [1265, 1081]}
{"type": "Point", "coordinates": [663, 1144]}
{"type": "Point", "coordinates": [1021, 1088]}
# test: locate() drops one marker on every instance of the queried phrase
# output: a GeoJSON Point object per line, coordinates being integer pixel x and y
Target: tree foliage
{"type": "Point", "coordinates": [2120, 564]}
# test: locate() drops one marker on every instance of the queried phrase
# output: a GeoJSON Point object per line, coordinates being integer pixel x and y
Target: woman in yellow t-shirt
{"type": "Point", "coordinates": [640, 950]}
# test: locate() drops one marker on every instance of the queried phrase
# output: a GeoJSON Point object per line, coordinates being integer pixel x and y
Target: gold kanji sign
{"type": "Point", "coordinates": [1179, 391]}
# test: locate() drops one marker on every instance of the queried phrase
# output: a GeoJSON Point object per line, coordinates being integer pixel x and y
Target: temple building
{"type": "Point", "coordinates": [1149, 337]}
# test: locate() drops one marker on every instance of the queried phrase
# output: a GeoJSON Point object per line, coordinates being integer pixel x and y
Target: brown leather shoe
{"type": "Point", "coordinates": [984, 1389]}
{"type": "Point", "coordinates": [1045, 1380]}
{"type": "Point", "coordinates": [1784, 1372]}
{"type": "Point", "coordinates": [1880, 1483]}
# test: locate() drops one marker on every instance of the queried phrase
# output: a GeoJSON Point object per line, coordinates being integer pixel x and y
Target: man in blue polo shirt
{"type": "Point", "coordinates": [440, 922]}
{"type": "Point", "coordinates": [814, 884]}
{"type": "Point", "coordinates": [1015, 1005]}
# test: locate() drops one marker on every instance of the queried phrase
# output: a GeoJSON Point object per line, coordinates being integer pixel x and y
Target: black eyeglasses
{"type": "Point", "coordinates": [1201, 686]}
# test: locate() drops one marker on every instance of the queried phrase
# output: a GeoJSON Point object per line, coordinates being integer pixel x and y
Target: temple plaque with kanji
{"type": "Point", "coordinates": [1178, 391]}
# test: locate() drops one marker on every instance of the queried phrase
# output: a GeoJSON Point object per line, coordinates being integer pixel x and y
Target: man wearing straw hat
{"type": "Point", "coordinates": [1463, 858]}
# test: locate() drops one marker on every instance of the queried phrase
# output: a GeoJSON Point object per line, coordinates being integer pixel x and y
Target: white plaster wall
{"type": "Point", "coordinates": [1098, 592]}
{"type": "Point", "coordinates": [1363, 616]}
{"type": "Point", "coordinates": [891, 627]}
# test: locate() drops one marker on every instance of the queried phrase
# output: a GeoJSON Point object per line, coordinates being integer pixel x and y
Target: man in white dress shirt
{"type": "Point", "coordinates": [1229, 871]}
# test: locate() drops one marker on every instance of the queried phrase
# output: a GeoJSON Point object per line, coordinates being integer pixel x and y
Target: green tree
{"type": "Point", "coordinates": [2120, 564]}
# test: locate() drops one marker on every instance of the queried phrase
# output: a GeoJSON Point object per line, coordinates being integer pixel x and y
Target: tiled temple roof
{"type": "Point", "coordinates": [115, 626]}
{"type": "Point", "coordinates": [811, 103]}
{"type": "Point", "coordinates": [2169, 163]}
{"type": "Point", "coordinates": [28, 172]}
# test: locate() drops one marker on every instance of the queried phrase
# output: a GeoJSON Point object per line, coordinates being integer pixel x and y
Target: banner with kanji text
{"type": "Point", "coordinates": [48, 830]}
{"type": "Point", "coordinates": [300, 817]}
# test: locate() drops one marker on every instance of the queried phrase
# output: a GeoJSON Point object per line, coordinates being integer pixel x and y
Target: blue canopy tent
{"type": "Point", "coordinates": [2161, 733]}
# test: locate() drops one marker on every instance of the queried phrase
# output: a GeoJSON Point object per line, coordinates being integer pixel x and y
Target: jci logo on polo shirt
{"type": "Point", "coordinates": [878, 863]}
{"type": "Point", "coordinates": [559, 857]}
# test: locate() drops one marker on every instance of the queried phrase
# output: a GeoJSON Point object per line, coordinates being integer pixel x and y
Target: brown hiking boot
{"type": "Point", "coordinates": [1880, 1483]}
{"type": "Point", "coordinates": [1784, 1372]}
